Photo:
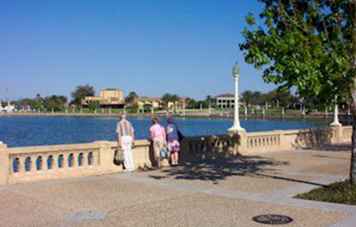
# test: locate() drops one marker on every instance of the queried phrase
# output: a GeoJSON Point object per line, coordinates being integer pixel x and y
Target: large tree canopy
{"type": "Point", "coordinates": [81, 92]}
{"type": "Point", "coordinates": [306, 44]}
{"type": "Point", "coordinates": [309, 45]}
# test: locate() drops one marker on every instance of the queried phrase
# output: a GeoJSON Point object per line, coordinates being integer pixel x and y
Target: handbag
{"type": "Point", "coordinates": [164, 153]}
{"type": "Point", "coordinates": [119, 156]}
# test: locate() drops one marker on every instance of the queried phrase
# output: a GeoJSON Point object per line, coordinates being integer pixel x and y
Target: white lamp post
{"type": "Point", "coordinates": [236, 127]}
{"type": "Point", "coordinates": [336, 121]}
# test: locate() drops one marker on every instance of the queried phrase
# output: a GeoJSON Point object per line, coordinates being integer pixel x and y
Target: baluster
{"type": "Point", "coordinates": [33, 164]}
{"type": "Point", "coordinates": [65, 160]}
{"type": "Point", "coordinates": [44, 162]}
{"type": "Point", "coordinates": [22, 166]}
{"type": "Point", "coordinates": [76, 159]}
{"type": "Point", "coordinates": [85, 159]}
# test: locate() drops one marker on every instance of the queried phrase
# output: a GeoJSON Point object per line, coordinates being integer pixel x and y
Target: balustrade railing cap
{"type": "Point", "coordinates": [102, 142]}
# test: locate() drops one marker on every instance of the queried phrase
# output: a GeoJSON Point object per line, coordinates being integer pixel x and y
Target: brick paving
{"type": "Point", "coordinates": [219, 193]}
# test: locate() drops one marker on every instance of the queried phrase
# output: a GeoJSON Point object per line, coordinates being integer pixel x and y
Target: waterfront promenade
{"type": "Point", "coordinates": [210, 193]}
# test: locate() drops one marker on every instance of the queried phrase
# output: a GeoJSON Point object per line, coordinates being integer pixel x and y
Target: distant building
{"type": "Point", "coordinates": [178, 105]}
{"type": "Point", "coordinates": [150, 102]}
{"type": "Point", "coordinates": [108, 98]}
{"type": "Point", "coordinates": [225, 101]}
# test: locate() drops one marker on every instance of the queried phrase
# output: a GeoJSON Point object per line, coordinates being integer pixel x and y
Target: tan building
{"type": "Point", "coordinates": [108, 98]}
{"type": "Point", "coordinates": [144, 102]}
{"type": "Point", "coordinates": [181, 104]}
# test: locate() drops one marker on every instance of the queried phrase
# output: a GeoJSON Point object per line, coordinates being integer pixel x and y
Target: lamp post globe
{"type": "Point", "coordinates": [236, 71]}
{"type": "Point", "coordinates": [236, 128]}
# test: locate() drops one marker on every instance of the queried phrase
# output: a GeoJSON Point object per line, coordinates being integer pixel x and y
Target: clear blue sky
{"type": "Point", "coordinates": [180, 46]}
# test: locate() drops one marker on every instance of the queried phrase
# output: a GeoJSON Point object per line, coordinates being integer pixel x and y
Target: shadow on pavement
{"type": "Point", "coordinates": [336, 147]}
{"type": "Point", "coordinates": [222, 168]}
{"type": "Point", "coordinates": [219, 169]}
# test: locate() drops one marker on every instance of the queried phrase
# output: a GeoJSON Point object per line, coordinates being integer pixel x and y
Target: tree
{"type": "Point", "coordinates": [209, 102]}
{"type": "Point", "coordinates": [258, 98]}
{"type": "Point", "coordinates": [35, 104]}
{"type": "Point", "coordinates": [93, 105]}
{"type": "Point", "coordinates": [169, 98]}
{"type": "Point", "coordinates": [309, 45]}
{"type": "Point", "coordinates": [131, 98]}
{"type": "Point", "coordinates": [81, 92]}
{"type": "Point", "coordinates": [280, 97]}
{"type": "Point", "coordinates": [55, 103]}
{"type": "Point", "coordinates": [191, 103]}
{"type": "Point", "coordinates": [247, 97]}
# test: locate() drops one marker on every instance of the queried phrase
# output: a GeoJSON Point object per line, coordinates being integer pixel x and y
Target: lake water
{"type": "Point", "coordinates": [40, 130]}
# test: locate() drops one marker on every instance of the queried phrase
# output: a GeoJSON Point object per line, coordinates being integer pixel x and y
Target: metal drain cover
{"type": "Point", "coordinates": [86, 216]}
{"type": "Point", "coordinates": [272, 219]}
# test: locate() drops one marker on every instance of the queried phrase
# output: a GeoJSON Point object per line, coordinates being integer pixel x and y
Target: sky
{"type": "Point", "coordinates": [187, 47]}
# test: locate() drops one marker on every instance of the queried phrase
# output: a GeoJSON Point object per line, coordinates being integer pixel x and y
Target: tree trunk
{"type": "Point", "coordinates": [353, 149]}
{"type": "Point", "coordinates": [353, 93]}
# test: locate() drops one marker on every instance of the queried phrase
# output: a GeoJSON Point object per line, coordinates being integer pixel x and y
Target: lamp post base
{"type": "Point", "coordinates": [335, 124]}
{"type": "Point", "coordinates": [235, 129]}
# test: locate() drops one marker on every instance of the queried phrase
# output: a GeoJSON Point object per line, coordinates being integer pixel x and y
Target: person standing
{"type": "Point", "coordinates": [158, 138]}
{"type": "Point", "coordinates": [126, 138]}
{"type": "Point", "coordinates": [172, 132]}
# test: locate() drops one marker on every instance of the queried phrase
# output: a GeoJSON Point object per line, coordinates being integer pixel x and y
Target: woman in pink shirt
{"type": "Point", "coordinates": [158, 137]}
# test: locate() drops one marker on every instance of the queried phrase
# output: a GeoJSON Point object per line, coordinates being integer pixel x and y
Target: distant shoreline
{"type": "Point", "coordinates": [194, 115]}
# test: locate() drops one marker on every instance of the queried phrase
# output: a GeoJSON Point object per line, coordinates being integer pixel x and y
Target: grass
{"type": "Point", "coordinates": [340, 192]}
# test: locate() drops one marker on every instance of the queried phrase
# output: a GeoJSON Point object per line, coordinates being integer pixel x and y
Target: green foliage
{"type": "Point", "coordinates": [303, 44]}
{"type": "Point", "coordinates": [341, 192]}
{"type": "Point", "coordinates": [81, 92]}
{"type": "Point", "coordinates": [94, 105]}
{"type": "Point", "coordinates": [277, 97]}
{"type": "Point", "coordinates": [196, 104]}
{"type": "Point", "coordinates": [191, 103]}
{"type": "Point", "coordinates": [133, 108]}
{"type": "Point", "coordinates": [35, 104]}
{"type": "Point", "coordinates": [131, 98]}
{"type": "Point", "coordinates": [55, 103]}
{"type": "Point", "coordinates": [166, 98]}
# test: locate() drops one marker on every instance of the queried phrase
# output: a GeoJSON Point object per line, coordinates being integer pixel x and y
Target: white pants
{"type": "Point", "coordinates": [126, 145]}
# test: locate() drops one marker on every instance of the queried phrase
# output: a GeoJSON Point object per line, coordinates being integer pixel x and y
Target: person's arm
{"type": "Point", "coordinates": [151, 134]}
{"type": "Point", "coordinates": [166, 131]}
{"type": "Point", "coordinates": [164, 134]}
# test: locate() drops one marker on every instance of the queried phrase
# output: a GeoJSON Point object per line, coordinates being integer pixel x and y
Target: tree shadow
{"type": "Point", "coordinates": [336, 147]}
{"type": "Point", "coordinates": [219, 169]}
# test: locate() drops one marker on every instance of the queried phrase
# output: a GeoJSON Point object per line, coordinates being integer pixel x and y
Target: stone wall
{"type": "Point", "coordinates": [25, 164]}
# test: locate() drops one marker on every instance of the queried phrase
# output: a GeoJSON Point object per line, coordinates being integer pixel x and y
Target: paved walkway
{"type": "Point", "coordinates": [219, 193]}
